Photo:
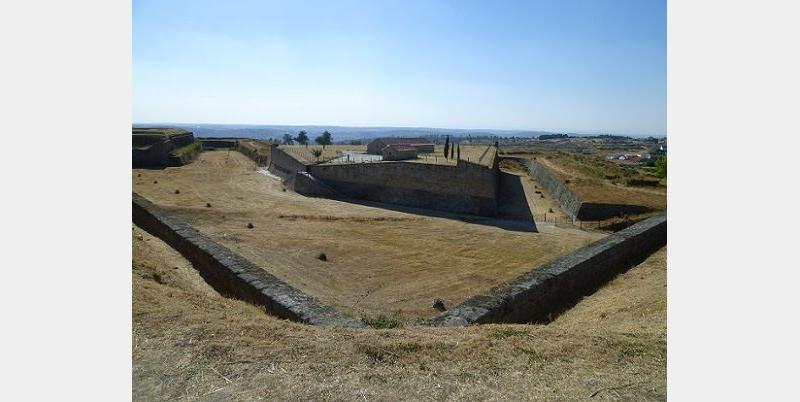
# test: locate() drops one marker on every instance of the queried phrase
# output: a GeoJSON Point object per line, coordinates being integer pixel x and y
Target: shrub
{"type": "Point", "coordinates": [250, 225]}
{"type": "Point", "coordinates": [661, 167]}
{"type": "Point", "coordinates": [322, 257]}
{"type": "Point", "coordinates": [208, 205]}
{"type": "Point", "coordinates": [155, 181]}
{"type": "Point", "coordinates": [187, 149]}
{"type": "Point", "coordinates": [642, 183]}
{"type": "Point", "coordinates": [439, 304]}
{"type": "Point", "coordinates": [380, 322]}
{"type": "Point", "coordinates": [177, 191]}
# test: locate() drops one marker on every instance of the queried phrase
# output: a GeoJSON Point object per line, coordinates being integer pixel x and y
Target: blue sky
{"type": "Point", "coordinates": [581, 66]}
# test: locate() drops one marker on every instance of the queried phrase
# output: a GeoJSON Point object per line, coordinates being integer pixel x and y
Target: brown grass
{"type": "Point", "coordinates": [379, 261]}
{"type": "Point", "coordinates": [190, 343]}
{"type": "Point", "coordinates": [597, 180]}
{"type": "Point", "coordinates": [469, 153]}
{"type": "Point", "coordinates": [303, 153]}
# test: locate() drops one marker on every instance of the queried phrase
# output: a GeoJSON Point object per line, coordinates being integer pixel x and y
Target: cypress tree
{"type": "Point", "coordinates": [458, 151]}
{"type": "Point", "coordinates": [452, 152]}
{"type": "Point", "coordinates": [446, 146]}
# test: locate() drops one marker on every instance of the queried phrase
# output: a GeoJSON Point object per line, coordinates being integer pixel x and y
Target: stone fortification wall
{"type": "Point", "coordinates": [304, 183]}
{"type": "Point", "coordinates": [465, 188]}
{"type": "Point", "coordinates": [152, 147]}
{"type": "Point", "coordinates": [233, 275]}
{"type": "Point", "coordinates": [154, 155]}
{"type": "Point", "coordinates": [181, 140]}
{"type": "Point", "coordinates": [569, 201]}
{"type": "Point", "coordinates": [591, 211]}
{"type": "Point", "coordinates": [214, 143]}
{"type": "Point", "coordinates": [547, 290]}
{"type": "Point", "coordinates": [511, 200]}
{"type": "Point", "coordinates": [284, 163]}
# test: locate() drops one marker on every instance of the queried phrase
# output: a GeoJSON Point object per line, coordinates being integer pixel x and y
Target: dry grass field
{"type": "Point", "coordinates": [479, 154]}
{"type": "Point", "coordinates": [303, 153]}
{"type": "Point", "coordinates": [379, 261]}
{"type": "Point", "coordinates": [191, 344]}
{"type": "Point", "coordinates": [471, 153]}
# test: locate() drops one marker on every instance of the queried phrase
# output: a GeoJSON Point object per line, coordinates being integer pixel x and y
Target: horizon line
{"type": "Point", "coordinates": [581, 132]}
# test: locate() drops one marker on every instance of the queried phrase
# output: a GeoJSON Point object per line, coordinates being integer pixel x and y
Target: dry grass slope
{"type": "Point", "coordinates": [189, 343]}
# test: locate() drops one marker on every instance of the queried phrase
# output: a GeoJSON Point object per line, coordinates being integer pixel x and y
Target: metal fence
{"type": "Point", "coordinates": [345, 159]}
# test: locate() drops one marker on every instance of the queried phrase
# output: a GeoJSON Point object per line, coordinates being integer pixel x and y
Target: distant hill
{"type": "Point", "coordinates": [340, 133]}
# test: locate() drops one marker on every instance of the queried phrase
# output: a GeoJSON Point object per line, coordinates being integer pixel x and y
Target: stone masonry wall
{"type": "Point", "coordinates": [284, 163]}
{"type": "Point", "coordinates": [213, 143]}
{"type": "Point", "coordinates": [569, 201]}
{"type": "Point", "coordinates": [547, 290]}
{"type": "Point", "coordinates": [233, 275]}
{"type": "Point", "coordinates": [466, 188]}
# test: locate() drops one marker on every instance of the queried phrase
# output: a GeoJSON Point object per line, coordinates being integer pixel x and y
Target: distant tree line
{"type": "Point", "coordinates": [552, 136]}
{"type": "Point", "coordinates": [326, 138]}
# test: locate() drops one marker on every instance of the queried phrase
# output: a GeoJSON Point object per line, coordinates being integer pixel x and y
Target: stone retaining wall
{"type": "Point", "coordinates": [233, 275]}
{"type": "Point", "coordinates": [569, 201]}
{"type": "Point", "coordinates": [304, 183]}
{"type": "Point", "coordinates": [547, 290]}
{"type": "Point", "coordinates": [214, 143]}
{"type": "Point", "coordinates": [465, 188]}
{"type": "Point", "coordinates": [281, 161]}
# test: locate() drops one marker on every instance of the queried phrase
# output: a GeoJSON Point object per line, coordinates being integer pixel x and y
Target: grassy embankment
{"type": "Point", "coordinates": [190, 343]}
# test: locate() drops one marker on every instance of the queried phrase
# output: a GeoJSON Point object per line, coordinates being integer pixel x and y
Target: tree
{"type": "Point", "coordinates": [661, 167]}
{"type": "Point", "coordinates": [287, 139]}
{"type": "Point", "coordinates": [446, 146]}
{"type": "Point", "coordinates": [458, 152]}
{"type": "Point", "coordinates": [316, 152]}
{"type": "Point", "coordinates": [325, 139]}
{"type": "Point", "coordinates": [452, 152]}
{"type": "Point", "coordinates": [302, 138]}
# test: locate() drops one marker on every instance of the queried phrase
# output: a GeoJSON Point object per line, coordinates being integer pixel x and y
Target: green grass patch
{"type": "Point", "coordinates": [188, 149]}
{"type": "Point", "coordinates": [381, 322]}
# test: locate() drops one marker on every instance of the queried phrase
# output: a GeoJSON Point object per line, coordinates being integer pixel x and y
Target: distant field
{"type": "Point", "coordinates": [482, 154]}
{"type": "Point", "coordinates": [379, 261]}
{"type": "Point", "coordinates": [303, 153]}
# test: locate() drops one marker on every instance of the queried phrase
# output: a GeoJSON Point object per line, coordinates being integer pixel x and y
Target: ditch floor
{"type": "Point", "coordinates": [376, 261]}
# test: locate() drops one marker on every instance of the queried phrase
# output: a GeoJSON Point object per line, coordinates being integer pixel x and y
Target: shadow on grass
{"type": "Point", "coordinates": [517, 225]}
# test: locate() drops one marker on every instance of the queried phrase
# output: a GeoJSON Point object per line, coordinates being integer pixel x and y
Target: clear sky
{"type": "Point", "coordinates": [582, 66]}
